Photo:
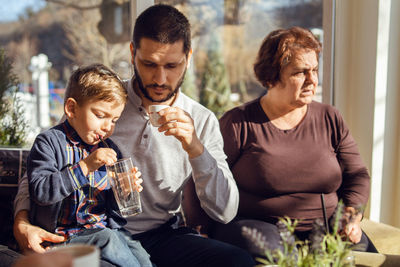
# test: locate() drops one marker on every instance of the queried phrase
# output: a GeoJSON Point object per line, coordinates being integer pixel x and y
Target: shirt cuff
{"type": "Point", "coordinates": [79, 179]}
{"type": "Point", "coordinates": [203, 163]}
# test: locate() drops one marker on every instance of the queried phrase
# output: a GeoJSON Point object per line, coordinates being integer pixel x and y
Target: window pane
{"type": "Point", "coordinates": [227, 34]}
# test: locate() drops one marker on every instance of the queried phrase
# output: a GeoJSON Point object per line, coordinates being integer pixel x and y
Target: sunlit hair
{"type": "Point", "coordinates": [164, 24]}
{"type": "Point", "coordinates": [278, 49]}
{"type": "Point", "coordinates": [95, 82]}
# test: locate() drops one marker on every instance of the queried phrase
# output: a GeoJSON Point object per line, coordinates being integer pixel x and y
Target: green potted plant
{"type": "Point", "coordinates": [322, 248]}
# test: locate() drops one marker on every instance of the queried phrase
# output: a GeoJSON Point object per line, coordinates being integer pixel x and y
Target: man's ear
{"type": "Point", "coordinates": [70, 107]}
{"type": "Point", "coordinates": [132, 48]}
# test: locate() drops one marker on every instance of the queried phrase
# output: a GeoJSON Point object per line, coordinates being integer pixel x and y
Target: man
{"type": "Point", "coordinates": [187, 144]}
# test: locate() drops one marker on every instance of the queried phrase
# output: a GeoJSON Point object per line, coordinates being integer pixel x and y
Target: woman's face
{"type": "Point", "coordinates": [299, 79]}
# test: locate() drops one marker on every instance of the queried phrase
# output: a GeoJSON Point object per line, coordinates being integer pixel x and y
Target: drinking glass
{"type": "Point", "coordinates": [121, 177]}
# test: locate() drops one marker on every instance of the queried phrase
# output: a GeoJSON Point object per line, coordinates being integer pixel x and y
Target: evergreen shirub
{"type": "Point", "coordinates": [12, 123]}
{"type": "Point", "coordinates": [189, 85]}
{"type": "Point", "coordinates": [215, 91]}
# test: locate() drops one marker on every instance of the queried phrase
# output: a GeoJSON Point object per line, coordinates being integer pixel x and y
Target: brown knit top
{"type": "Point", "coordinates": [283, 172]}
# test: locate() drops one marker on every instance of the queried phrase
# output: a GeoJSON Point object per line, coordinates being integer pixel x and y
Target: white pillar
{"type": "Point", "coordinates": [137, 7]}
{"type": "Point", "coordinates": [366, 84]}
{"type": "Point", "coordinates": [40, 77]}
{"type": "Point", "coordinates": [379, 110]}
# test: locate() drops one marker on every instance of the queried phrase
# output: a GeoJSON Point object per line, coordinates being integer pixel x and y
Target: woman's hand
{"type": "Point", "coordinates": [352, 229]}
{"type": "Point", "coordinates": [353, 232]}
{"type": "Point", "coordinates": [30, 237]}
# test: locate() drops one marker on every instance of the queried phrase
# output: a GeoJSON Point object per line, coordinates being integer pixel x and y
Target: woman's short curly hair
{"type": "Point", "coordinates": [277, 50]}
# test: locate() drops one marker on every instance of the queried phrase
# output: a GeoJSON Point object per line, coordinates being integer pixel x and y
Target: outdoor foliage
{"type": "Point", "coordinates": [215, 88]}
{"type": "Point", "coordinates": [322, 249]}
{"type": "Point", "coordinates": [12, 123]}
{"type": "Point", "coordinates": [7, 79]}
{"type": "Point", "coordinates": [189, 85]}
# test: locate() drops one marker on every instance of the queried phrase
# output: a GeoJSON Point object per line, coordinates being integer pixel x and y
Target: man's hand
{"type": "Point", "coordinates": [98, 158]}
{"type": "Point", "coordinates": [30, 237]}
{"type": "Point", "coordinates": [178, 123]}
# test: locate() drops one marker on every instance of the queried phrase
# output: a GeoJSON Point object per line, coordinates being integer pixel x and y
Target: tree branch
{"type": "Point", "coordinates": [71, 5]}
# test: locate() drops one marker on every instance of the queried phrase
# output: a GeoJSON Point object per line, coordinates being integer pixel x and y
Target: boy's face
{"type": "Point", "coordinates": [93, 119]}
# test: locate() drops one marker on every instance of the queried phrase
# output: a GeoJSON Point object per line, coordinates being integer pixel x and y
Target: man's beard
{"type": "Point", "coordinates": [145, 91]}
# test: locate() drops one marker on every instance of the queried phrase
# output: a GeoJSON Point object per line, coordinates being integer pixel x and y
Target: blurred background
{"type": "Point", "coordinates": [225, 34]}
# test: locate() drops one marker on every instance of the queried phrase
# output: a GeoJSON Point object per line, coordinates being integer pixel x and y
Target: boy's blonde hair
{"type": "Point", "coordinates": [95, 82]}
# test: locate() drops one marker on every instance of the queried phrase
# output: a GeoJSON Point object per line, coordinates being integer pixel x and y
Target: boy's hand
{"type": "Point", "coordinates": [126, 181]}
{"type": "Point", "coordinates": [97, 159]}
{"type": "Point", "coordinates": [136, 180]}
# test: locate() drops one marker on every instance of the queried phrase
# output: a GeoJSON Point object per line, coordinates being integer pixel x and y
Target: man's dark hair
{"type": "Point", "coordinates": [164, 24]}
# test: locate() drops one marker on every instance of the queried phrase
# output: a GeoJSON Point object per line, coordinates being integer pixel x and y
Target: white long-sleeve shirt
{"type": "Point", "coordinates": [166, 167]}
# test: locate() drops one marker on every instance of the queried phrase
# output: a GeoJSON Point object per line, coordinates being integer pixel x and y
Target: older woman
{"type": "Point", "coordinates": [285, 150]}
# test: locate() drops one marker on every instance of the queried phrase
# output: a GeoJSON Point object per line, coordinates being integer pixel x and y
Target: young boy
{"type": "Point", "coordinates": [70, 194]}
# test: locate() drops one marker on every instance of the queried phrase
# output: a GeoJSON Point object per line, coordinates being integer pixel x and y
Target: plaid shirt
{"type": "Point", "coordinates": [86, 207]}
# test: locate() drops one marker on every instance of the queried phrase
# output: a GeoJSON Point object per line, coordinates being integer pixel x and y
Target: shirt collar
{"type": "Point", "coordinates": [73, 136]}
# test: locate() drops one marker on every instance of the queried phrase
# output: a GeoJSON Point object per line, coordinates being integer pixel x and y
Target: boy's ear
{"type": "Point", "coordinates": [70, 107]}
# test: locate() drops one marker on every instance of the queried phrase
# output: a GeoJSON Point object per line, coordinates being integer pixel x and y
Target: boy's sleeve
{"type": "Point", "coordinates": [50, 181]}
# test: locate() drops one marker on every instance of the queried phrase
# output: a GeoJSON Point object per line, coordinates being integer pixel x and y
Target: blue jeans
{"type": "Point", "coordinates": [170, 245]}
{"type": "Point", "coordinates": [115, 246]}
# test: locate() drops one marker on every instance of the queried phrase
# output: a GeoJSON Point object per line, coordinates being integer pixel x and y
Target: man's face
{"type": "Point", "coordinates": [159, 69]}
